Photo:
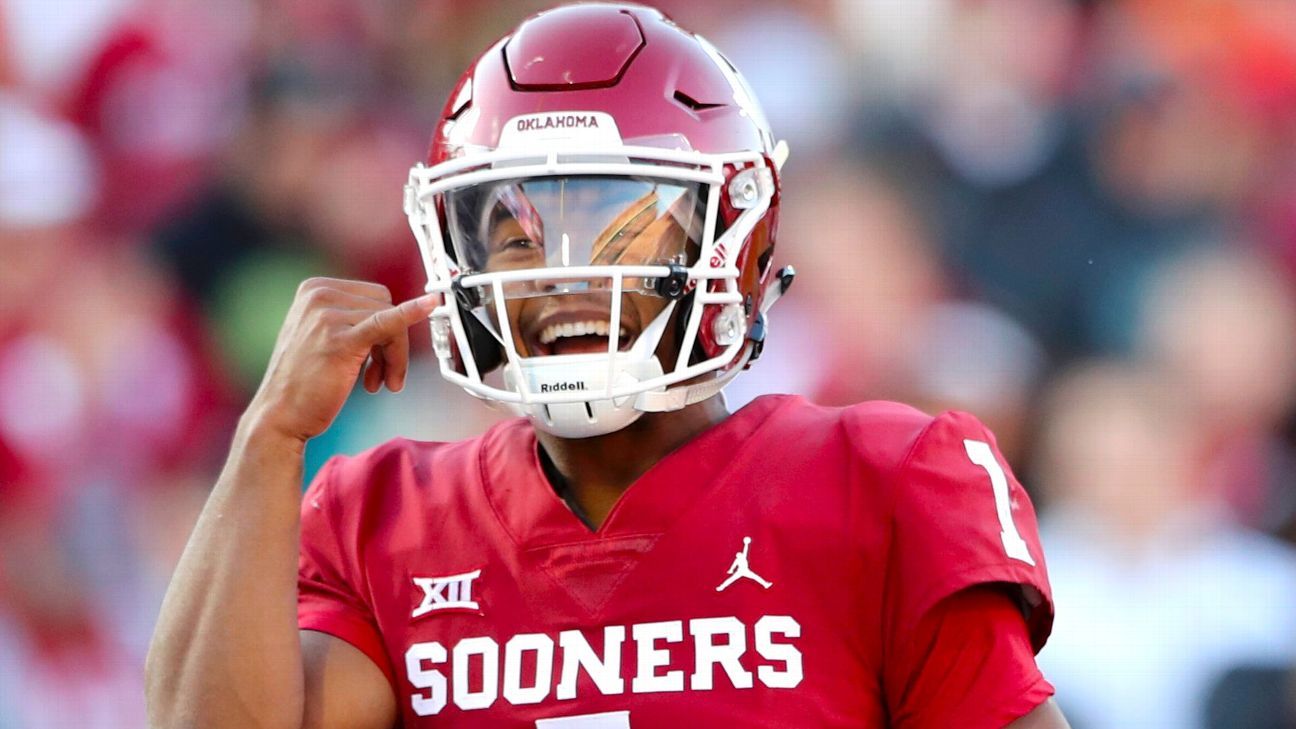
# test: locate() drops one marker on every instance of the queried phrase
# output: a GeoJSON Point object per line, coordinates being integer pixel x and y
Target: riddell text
{"type": "Point", "coordinates": [563, 387]}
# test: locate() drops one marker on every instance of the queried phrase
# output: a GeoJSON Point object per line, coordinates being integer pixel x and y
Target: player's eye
{"type": "Point", "coordinates": [516, 243]}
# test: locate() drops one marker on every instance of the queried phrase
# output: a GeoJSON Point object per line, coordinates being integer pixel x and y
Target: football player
{"type": "Point", "coordinates": [597, 217]}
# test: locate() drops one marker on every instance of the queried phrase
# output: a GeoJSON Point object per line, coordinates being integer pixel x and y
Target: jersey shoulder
{"type": "Point", "coordinates": [953, 513]}
{"type": "Point", "coordinates": [917, 452]}
{"type": "Point", "coordinates": [401, 476]}
{"type": "Point", "coordinates": [960, 518]}
{"type": "Point", "coordinates": [882, 433]}
{"type": "Point", "coordinates": [369, 473]}
{"type": "Point", "coordinates": [871, 437]}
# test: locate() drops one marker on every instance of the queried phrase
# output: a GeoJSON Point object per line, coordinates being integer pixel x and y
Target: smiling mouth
{"type": "Point", "coordinates": [579, 337]}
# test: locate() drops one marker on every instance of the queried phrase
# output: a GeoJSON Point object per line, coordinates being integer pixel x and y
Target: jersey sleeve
{"type": "Point", "coordinates": [969, 664]}
{"type": "Point", "coordinates": [328, 600]}
{"type": "Point", "coordinates": [961, 519]}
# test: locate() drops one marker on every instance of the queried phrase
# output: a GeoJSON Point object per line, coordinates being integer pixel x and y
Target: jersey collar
{"type": "Point", "coordinates": [535, 516]}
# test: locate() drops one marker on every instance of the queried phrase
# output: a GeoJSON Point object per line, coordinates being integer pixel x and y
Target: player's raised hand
{"type": "Point", "coordinates": [332, 327]}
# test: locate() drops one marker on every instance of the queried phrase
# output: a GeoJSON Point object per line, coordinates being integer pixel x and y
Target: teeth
{"type": "Point", "coordinates": [576, 329]}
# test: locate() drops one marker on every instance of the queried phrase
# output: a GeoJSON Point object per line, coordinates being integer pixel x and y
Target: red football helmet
{"type": "Point", "coordinates": [598, 209]}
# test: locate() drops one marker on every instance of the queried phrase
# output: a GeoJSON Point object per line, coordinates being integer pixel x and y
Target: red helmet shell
{"type": "Point", "coordinates": [631, 62]}
{"type": "Point", "coordinates": [536, 63]}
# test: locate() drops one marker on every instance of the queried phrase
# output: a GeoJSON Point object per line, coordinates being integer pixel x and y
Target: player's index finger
{"type": "Point", "coordinates": [386, 323]}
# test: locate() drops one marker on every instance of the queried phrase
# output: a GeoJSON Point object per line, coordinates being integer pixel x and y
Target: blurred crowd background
{"type": "Point", "coordinates": [1074, 219]}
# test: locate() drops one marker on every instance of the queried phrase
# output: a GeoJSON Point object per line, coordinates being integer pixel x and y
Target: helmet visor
{"type": "Point", "coordinates": [570, 221]}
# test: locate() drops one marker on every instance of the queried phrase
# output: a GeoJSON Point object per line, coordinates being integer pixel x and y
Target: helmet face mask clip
{"type": "Point", "coordinates": [598, 254]}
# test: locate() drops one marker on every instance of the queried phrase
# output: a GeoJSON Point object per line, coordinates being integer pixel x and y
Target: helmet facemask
{"type": "Point", "coordinates": [576, 265]}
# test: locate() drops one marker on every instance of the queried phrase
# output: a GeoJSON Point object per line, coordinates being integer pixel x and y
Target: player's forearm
{"type": "Point", "coordinates": [226, 650]}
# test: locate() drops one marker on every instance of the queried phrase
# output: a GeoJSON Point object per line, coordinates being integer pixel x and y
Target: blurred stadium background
{"type": "Point", "coordinates": [1075, 219]}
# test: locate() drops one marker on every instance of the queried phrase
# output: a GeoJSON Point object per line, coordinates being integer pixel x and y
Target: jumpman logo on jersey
{"type": "Point", "coordinates": [740, 569]}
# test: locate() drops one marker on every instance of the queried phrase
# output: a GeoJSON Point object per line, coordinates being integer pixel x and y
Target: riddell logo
{"type": "Point", "coordinates": [563, 387]}
{"type": "Point", "coordinates": [567, 121]}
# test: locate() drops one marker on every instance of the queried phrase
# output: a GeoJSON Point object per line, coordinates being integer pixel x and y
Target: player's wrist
{"type": "Point", "coordinates": [260, 430]}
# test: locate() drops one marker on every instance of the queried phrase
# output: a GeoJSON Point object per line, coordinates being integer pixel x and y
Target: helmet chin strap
{"type": "Point", "coordinates": [678, 398]}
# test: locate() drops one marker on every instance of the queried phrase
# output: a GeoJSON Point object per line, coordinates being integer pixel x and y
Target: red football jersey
{"type": "Point", "coordinates": [764, 574]}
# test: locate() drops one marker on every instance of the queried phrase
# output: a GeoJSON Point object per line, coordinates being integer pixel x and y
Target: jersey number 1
{"type": "Point", "coordinates": [981, 454]}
